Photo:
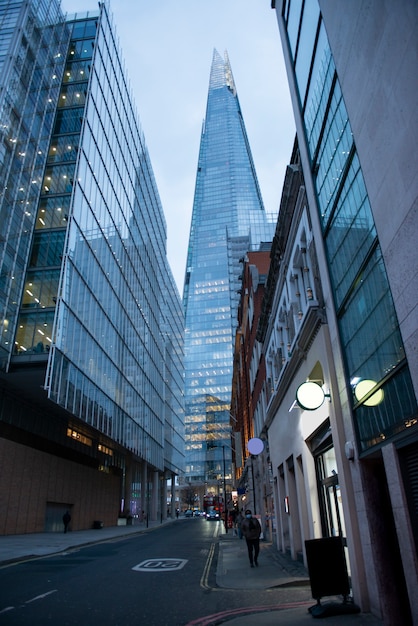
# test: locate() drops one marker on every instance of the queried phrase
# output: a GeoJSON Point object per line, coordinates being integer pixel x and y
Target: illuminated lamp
{"type": "Point", "coordinates": [255, 446]}
{"type": "Point", "coordinates": [362, 389]}
{"type": "Point", "coordinates": [310, 396]}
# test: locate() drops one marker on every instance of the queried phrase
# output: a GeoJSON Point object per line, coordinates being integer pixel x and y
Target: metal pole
{"type": "Point", "coordinates": [225, 509]}
{"type": "Point", "coordinates": [252, 474]}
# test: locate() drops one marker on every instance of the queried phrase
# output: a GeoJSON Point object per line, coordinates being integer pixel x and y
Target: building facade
{"type": "Point", "coordinates": [300, 459]}
{"type": "Point", "coordinates": [92, 410]}
{"type": "Point", "coordinates": [351, 73]}
{"type": "Point", "coordinates": [248, 381]}
{"type": "Point", "coordinates": [228, 219]}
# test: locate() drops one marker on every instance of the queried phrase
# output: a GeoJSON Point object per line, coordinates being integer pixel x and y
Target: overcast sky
{"type": "Point", "coordinates": [168, 46]}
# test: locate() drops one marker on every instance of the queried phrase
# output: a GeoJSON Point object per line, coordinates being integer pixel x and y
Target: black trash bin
{"type": "Point", "coordinates": [97, 524]}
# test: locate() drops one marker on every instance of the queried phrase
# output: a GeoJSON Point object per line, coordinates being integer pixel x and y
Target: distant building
{"type": "Point", "coordinates": [91, 342]}
{"type": "Point", "coordinates": [249, 374]}
{"type": "Point", "coordinates": [228, 219]}
{"type": "Point", "coordinates": [351, 67]}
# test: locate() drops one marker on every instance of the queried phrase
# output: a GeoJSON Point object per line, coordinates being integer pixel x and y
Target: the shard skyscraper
{"type": "Point", "coordinates": [228, 219]}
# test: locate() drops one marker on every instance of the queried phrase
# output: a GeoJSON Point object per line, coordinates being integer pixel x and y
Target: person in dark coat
{"type": "Point", "coordinates": [251, 530]}
{"type": "Point", "coordinates": [66, 518]}
{"type": "Point", "coordinates": [238, 521]}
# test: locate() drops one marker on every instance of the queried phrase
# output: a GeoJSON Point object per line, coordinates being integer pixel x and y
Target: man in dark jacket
{"type": "Point", "coordinates": [66, 518]}
{"type": "Point", "coordinates": [251, 530]}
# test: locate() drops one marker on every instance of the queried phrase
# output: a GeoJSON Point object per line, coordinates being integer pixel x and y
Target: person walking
{"type": "Point", "coordinates": [251, 530]}
{"type": "Point", "coordinates": [238, 521]}
{"type": "Point", "coordinates": [66, 518]}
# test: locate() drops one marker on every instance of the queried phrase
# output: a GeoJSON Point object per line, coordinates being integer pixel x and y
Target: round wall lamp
{"type": "Point", "coordinates": [362, 389]}
{"type": "Point", "coordinates": [255, 446]}
{"type": "Point", "coordinates": [310, 396]}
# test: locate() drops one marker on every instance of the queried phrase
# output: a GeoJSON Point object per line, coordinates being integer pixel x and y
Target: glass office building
{"type": "Point", "coordinates": [369, 331]}
{"type": "Point", "coordinates": [91, 316]}
{"type": "Point", "coordinates": [350, 72]}
{"type": "Point", "coordinates": [228, 219]}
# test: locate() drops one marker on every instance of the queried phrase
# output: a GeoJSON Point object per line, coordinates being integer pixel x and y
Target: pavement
{"type": "Point", "coordinates": [276, 570]}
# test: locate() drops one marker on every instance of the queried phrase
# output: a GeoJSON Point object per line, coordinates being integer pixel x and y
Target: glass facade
{"type": "Point", "coordinates": [92, 295]}
{"type": "Point", "coordinates": [228, 219]}
{"type": "Point", "coordinates": [30, 71]}
{"type": "Point", "coordinates": [382, 395]}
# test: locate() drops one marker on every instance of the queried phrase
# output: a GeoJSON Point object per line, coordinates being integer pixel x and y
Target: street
{"type": "Point", "coordinates": [166, 577]}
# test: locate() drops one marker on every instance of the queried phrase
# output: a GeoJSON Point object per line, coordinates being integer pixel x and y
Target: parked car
{"type": "Point", "coordinates": [212, 515]}
{"type": "Point", "coordinates": [188, 513]}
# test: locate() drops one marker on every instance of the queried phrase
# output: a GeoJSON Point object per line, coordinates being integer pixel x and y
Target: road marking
{"type": "Point", "coordinates": [204, 582]}
{"type": "Point", "coordinates": [160, 565]}
{"type": "Point", "coordinates": [217, 618]}
{"type": "Point", "coordinates": [44, 595]}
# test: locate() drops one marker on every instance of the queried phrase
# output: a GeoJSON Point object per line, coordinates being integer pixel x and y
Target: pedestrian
{"type": "Point", "coordinates": [251, 530]}
{"type": "Point", "coordinates": [238, 521]}
{"type": "Point", "coordinates": [66, 518]}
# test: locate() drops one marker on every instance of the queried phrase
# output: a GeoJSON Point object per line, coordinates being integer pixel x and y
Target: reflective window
{"type": "Point", "coordinates": [295, 7]}
{"type": "Point", "coordinates": [309, 27]}
{"type": "Point", "coordinates": [34, 333]}
{"type": "Point", "coordinates": [41, 288]}
{"type": "Point", "coordinates": [117, 361]}
{"type": "Point", "coordinates": [369, 329]}
{"type": "Point", "coordinates": [47, 249]}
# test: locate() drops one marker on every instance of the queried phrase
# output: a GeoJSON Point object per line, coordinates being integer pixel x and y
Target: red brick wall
{"type": "Point", "coordinates": [30, 478]}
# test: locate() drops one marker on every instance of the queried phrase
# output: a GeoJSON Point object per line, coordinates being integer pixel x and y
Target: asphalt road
{"type": "Point", "coordinates": [166, 577]}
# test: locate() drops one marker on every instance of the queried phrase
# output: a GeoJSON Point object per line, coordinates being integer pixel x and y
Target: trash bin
{"type": "Point", "coordinates": [97, 524]}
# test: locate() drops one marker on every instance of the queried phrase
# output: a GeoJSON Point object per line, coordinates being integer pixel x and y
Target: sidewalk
{"type": "Point", "coordinates": [275, 570]}
{"type": "Point", "coordinates": [23, 547]}
{"type": "Point", "coordinates": [233, 572]}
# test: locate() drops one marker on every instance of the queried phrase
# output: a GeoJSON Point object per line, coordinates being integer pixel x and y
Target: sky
{"type": "Point", "coordinates": [167, 46]}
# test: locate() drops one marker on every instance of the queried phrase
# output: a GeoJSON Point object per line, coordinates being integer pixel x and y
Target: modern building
{"type": "Point", "coordinates": [228, 219]}
{"type": "Point", "coordinates": [352, 77]}
{"type": "Point", "coordinates": [91, 343]}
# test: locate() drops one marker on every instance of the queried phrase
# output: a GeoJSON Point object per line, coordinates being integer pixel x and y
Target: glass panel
{"type": "Point", "coordinates": [59, 179]}
{"type": "Point", "coordinates": [41, 289]}
{"type": "Point", "coordinates": [353, 232]}
{"type": "Point", "coordinates": [76, 71]}
{"type": "Point", "coordinates": [309, 27]}
{"type": "Point", "coordinates": [53, 212]}
{"type": "Point", "coordinates": [396, 411]}
{"type": "Point", "coordinates": [63, 148]}
{"type": "Point", "coordinates": [81, 49]}
{"type": "Point", "coordinates": [373, 344]}
{"type": "Point", "coordinates": [34, 334]}
{"type": "Point", "coordinates": [333, 155]}
{"type": "Point", "coordinates": [47, 249]}
{"type": "Point", "coordinates": [293, 23]}
{"type": "Point", "coordinates": [68, 121]}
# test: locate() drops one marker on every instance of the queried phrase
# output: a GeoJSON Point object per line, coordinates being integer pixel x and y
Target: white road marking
{"type": "Point", "coordinates": [160, 565]}
{"type": "Point", "coordinates": [44, 595]}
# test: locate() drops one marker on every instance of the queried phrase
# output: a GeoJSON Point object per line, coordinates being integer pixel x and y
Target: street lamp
{"type": "Point", "coordinates": [310, 396]}
{"type": "Point", "coordinates": [225, 510]}
{"type": "Point", "coordinates": [255, 447]}
{"type": "Point", "coordinates": [224, 483]}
